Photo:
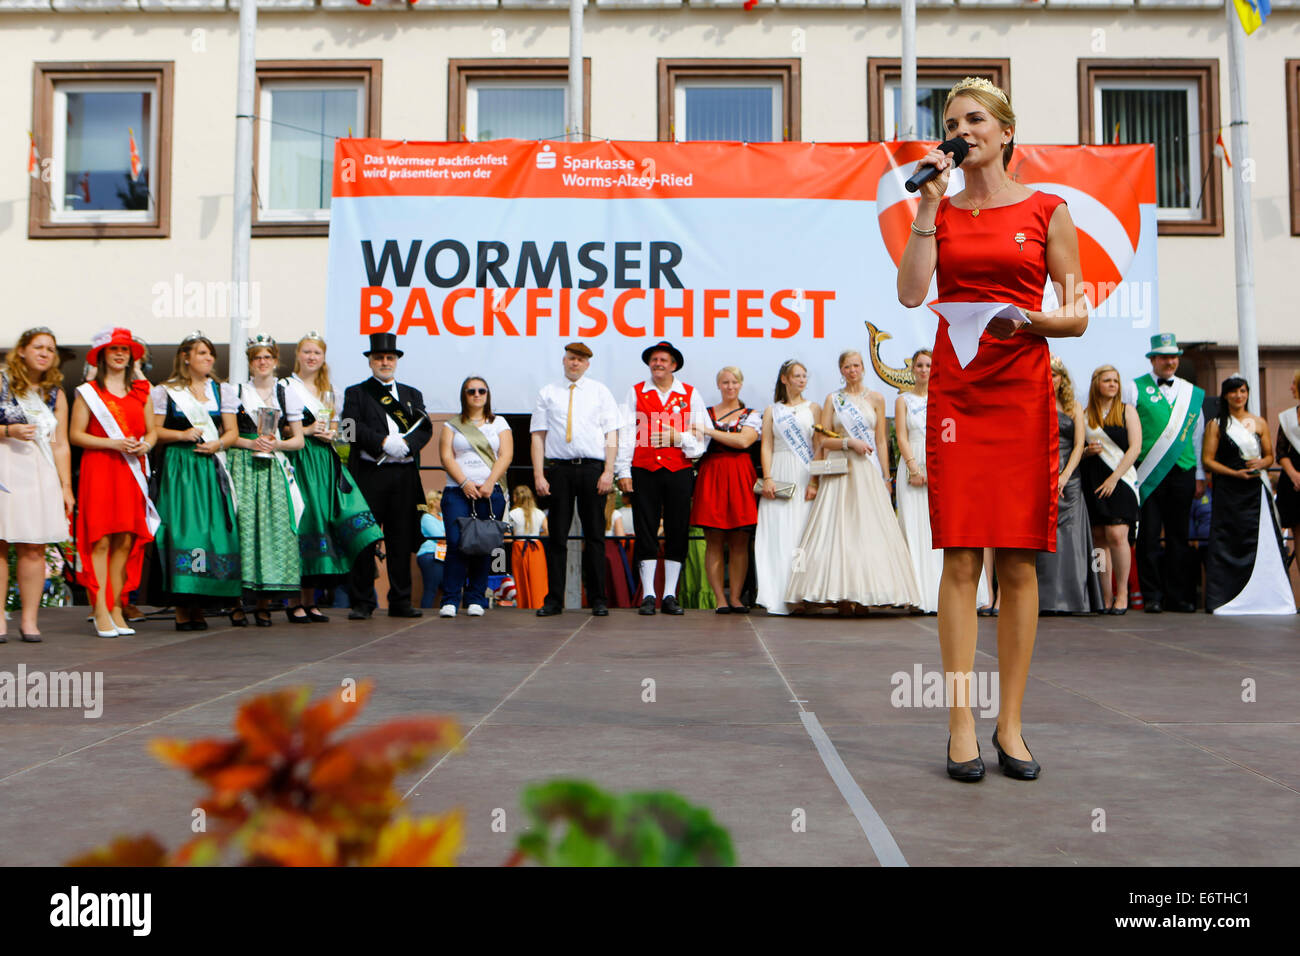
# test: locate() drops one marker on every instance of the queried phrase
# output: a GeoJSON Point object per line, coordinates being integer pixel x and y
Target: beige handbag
{"type": "Point", "coordinates": [829, 466]}
{"type": "Point", "coordinates": [783, 489]}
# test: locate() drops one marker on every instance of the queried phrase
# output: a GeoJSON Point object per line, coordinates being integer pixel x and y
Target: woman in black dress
{"type": "Point", "coordinates": [1244, 573]}
{"type": "Point", "coordinates": [1288, 456]}
{"type": "Point", "coordinates": [1114, 438]}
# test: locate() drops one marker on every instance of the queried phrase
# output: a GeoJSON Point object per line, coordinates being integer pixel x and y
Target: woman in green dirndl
{"type": "Point", "coordinates": [336, 524]}
{"type": "Point", "coordinates": [198, 541]}
{"type": "Point", "coordinates": [270, 503]}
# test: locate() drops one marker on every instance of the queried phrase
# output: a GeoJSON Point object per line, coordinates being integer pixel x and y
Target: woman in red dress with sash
{"type": "Point", "coordinates": [114, 422]}
{"type": "Point", "coordinates": [994, 242]}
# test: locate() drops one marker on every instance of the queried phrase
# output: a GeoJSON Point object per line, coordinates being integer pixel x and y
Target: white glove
{"type": "Point", "coordinates": [394, 447]}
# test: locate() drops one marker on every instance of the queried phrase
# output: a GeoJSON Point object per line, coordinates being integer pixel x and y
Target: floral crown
{"type": "Point", "coordinates": [978, 83]}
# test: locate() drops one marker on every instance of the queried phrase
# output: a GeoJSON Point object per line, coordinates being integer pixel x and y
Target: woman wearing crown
{"type": "Point", "coordinates": [270, 502]}
{"type": "Point", "coordinates": [336, 524]}
{"type": "Point", "coordinates": [996, 242]}
{"type": "Point", "coordinates": [198, 542]}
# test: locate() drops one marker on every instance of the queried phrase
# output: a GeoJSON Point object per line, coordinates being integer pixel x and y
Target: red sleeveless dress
{"type": "Point", "coordinates": [991, 429]}
{"type": "Point", "coordinates": [109, 500]}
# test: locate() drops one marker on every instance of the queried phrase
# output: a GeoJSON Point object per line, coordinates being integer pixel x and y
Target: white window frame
{"type": "Point", "coordinates": [266, 213]}
{"type": "Point", "coordinates": [60, 213]}
{"type": "Point", "coordinates": [1191, 87]}
{"type": "Point", "coordinates": [771, 83]}
{"type": "Point", "coordinates": [474, 84]}
{"type": "Point", "coordinates": [888, 121]}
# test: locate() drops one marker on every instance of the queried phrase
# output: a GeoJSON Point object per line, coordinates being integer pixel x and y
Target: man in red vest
{"type": "Point", "coordinates": [655, 448]}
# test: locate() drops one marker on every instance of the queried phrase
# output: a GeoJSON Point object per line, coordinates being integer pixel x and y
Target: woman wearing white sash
{"type": "Point", "coordinates": [1113, 441]}
{"type": "Point", "coordinates": [35, 467]}
{"type": "Point", "coordinates": [113, 421]}
{"type": "Point", "coordinates": [270, 503]}
{"type": "Point", "coordinates": [198, 543]}
{"type": "Point", "coordinates": [787, 450]}
{"type": "Point", "coordinates": [1244, 573]}
{"type": "Point", "coordinates": [852, 553]}
{"type": "Point", "coordinates": [1288, 457]}
{"type": "Point", "coordinates": [336, 524]}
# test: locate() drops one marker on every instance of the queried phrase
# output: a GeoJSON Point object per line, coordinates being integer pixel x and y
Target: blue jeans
{"type": "Point", "coordinates": [431, 571]}
{"type": "Point", "coordinates": [462, 572]}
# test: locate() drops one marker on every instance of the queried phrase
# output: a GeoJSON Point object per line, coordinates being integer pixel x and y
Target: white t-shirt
{"type": "Point", "coordinates": [521, 525]}
{"type": "Point", "coordinates": [474, 467]}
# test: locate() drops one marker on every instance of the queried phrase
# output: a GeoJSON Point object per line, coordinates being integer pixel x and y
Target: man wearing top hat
{"type": "Point", "coordinates": [1170, 476]}
{"type": "Point", "coordinates": [655, 448]}
{"type": "Point", "coordinates": [390, 427]}
{"type": "Point", "coordinates": [574, 444]}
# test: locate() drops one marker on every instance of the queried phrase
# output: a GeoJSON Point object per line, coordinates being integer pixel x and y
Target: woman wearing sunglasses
{"type": "Point", "coordinates": [475, 448]}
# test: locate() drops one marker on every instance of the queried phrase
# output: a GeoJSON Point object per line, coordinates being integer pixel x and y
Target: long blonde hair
{"type": "Point", "coordinates": [20, 379]}
{"type": "Point", "coordinates": [523, 498]}
{"type": "Point", "coordinates": [1064, 391]}
{"type": "Point", "coordinates": [322, 373]}
{"type": "Point", "coordinates": [1115, 416]}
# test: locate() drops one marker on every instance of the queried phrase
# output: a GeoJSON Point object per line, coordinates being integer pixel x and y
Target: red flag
{"type": "Point", "coordinates": [84, 183]}
{"type": "Point", "coordinates": [33, 159]}
{"type": "Point", "coordinates": [135, 155]}
{"type": "Point", "coordinates": [1221, 149]}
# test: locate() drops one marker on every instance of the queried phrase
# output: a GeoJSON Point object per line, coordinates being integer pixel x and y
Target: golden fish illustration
{"type": "Point", "coordinates": [900, 378]}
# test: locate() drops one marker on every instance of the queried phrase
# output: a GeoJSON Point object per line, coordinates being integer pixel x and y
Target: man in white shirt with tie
{"type": "Point", "coordinates": [655, 465]}
{"type": "Point", "coordinates": [574, 444]}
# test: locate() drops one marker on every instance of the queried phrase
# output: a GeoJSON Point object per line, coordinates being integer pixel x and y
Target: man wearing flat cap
{"type": "Point", "coordinates": [1169, 474]}
{"type": "Point", "coordinates": [574, 444]}
{"type": "Point", "coordinates": [655, 451]}
{"type": "Point", "coordinates": [390, 427]}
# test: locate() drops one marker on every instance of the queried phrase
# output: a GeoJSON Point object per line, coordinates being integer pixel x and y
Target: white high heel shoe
{"type": "Point", "coordinates": [112, 632]}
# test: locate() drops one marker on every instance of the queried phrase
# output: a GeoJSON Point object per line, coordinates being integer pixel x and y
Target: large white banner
{"type": "Point", "coordinates": [485, 258]}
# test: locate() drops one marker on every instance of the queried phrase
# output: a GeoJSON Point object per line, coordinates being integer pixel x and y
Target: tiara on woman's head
{"type": "Point", "coordinates": [312, 334]}
{"type": "Point", "coordinates": [261, 340]}
{"type": "Point", "coordinates": [193, 337]}
{"type": "Point", "coordinates": [39, 330]}
{"type": "Point", "coordinates": [978, 83]}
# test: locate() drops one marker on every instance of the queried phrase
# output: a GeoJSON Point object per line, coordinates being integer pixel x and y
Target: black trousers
{"type": "Point", "coordinates": [1167, 577]}
{"type": "Point", "coordinates": [393, 493]}
{"type": "Point", "coordinates": [575, 482]}
{"type": "Point", "coordinates": [661, 494]}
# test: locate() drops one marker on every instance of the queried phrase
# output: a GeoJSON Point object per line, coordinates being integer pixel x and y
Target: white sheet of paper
{"type": "Point", "coordinates": [967, 322]}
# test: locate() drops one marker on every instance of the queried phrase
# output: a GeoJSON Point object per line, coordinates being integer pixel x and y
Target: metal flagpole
{"type": "Point", "coordinates": [241, 292]}
{"type": "Point", "coordinates": [1242, 223]}
{"type": "Point", "coordinates": [573, 121]}
{"type": "Point", "coordinates": [907, 92]}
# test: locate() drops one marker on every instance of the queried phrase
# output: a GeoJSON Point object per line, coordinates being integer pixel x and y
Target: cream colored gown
{"type": "Point", "coordinates": [852, 548]}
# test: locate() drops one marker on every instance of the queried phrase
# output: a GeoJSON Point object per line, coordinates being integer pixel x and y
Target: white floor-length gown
{"type": "Point", "coordinates": [781, 520]}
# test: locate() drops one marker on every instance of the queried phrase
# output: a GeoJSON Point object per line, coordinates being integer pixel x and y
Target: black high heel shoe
{"type": "Point", "coordinates": [968, 771]}
{"type": "Point", "coordinates": [238, 618]}
{"type": "Point", "coordinates": [303, 618]}
{"type": "Point", "coordinates": [262, 617]}
{"type": "Point", "coordinates": [1015, 768]}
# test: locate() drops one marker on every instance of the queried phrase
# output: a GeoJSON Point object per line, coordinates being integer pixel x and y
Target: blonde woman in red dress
{"type": "Point", "coordinates": [996, 241]}
{"type": "Point", "coordinates": [113, 420]}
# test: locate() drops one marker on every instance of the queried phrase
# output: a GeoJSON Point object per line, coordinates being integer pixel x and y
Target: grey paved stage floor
{"type": "Point", "coordinates": [1140, 717]}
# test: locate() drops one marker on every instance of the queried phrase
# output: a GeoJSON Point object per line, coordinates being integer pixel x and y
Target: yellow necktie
{"type": "Point", "coordinates": [568, 419]}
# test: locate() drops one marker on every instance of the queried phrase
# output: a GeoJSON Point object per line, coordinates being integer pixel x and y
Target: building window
{"type": "Point", "coordinates": [1293, 136]}
{"type": "Point", "coordinates": [1173, 104]}
{"type": "Point", "coordinates": [934, 78]}
{"type": "Point", "coordinates": [751, 101]}
{"type": "Point", "coordinates": [103, 131]}
{"type": "Point", "coordinates": [303, 106]}
{"type": "Point", "coordinates": [512, 99]}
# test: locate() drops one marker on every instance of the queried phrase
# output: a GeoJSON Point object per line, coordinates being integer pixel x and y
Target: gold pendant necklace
{"type": "Point", "coordinates": [976, 211]}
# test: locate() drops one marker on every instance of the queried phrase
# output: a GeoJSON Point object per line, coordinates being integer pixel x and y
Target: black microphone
{"type": "Point", "coordinates": [956, 147]}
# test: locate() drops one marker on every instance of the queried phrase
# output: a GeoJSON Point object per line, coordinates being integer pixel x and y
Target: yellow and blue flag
{"type": "Point", "coordinates": [1252, 13]}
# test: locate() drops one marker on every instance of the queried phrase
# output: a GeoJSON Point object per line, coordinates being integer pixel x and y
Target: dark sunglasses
{"type": "Point", "coordinates": [476, 391]}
